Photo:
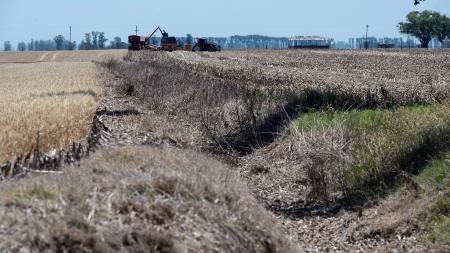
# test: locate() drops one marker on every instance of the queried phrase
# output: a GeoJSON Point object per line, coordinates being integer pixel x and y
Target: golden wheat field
{"type": "Point", "coordinates": [56, 99]}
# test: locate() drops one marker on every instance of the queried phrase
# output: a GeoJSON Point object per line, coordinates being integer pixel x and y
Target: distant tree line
{"type": "Point", "coordinates": [7, 46]}
{"type": "Point", "coordinates": [251, 41]}
{"type": "Point", "coordinates": [235, 41]}
{"type": "Point", "coordinates": [92, 40]}
{"type": "Point", "coordinates": [97, 40]}
{"type": "Point", "coordinates": [424, 25]}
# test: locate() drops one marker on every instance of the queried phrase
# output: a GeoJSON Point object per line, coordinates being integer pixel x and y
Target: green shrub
{"type": "Point", "coordinates": [384, 142]}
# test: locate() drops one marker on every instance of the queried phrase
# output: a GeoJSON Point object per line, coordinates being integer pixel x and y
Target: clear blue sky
{"type": "Point", "coordinates": [22, 20]}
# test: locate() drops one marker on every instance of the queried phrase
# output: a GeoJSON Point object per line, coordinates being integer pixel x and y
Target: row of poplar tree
{"type": "Point", "coordinates": [92, 40]}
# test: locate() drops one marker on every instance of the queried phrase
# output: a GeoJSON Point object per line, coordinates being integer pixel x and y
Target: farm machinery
{"type": "Point", "coordinates": [168, 43]}
{"type": "Point", "coordinates": [203, 45]}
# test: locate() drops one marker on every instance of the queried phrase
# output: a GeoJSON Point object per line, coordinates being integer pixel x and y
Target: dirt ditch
{"type": "Point", "coordinates": [311, 224]}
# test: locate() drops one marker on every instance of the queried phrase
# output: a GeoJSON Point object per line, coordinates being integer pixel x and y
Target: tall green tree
{"type": "Point", "coordinates": [21, 46]}
{"type": "Point", "coordinates": [72, 45]}
{"type": "Point", "coordinates": [118, 44]}
{"type": "Point", "coordinates": [189, 39]}
{"type": "Point", "coordinates": [115, 43]}
{"type": "Point", "coordinates": [101, 40]}
{"type": "Point", "coordinates": [59, 40]}
{"type": "Point", "coordinates": [421, 25]}
{"type": "Point", "coordinates": [7, 46]}
{"type": "Point", "coordinates": [31, 45]}
{"type": "Point", "coordinates": [442, 29]}
{"type": "Point", "coordinates": [87, 43]}
{"type": "Point", "coordinates": [95, 39]}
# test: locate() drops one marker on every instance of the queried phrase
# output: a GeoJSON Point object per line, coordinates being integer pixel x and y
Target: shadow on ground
{"type": "Point", "coordinates": [118, 113]}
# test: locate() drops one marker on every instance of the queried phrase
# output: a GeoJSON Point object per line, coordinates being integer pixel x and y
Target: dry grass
{"type": "Point", "coordinates": [364, 153]}
{"type": "Point", "coordinates": [322, 154]}
{"type": "Point", "coordinates": [243, 100]}
{"type": "Point", "coordinates": [137, 199]}
{"type": "Point", "coordinates": [58, 100]}
{"type": "Point", "coordinates": [361, 78]}
{"type": "Point", "coordinates": [240, 98]}
{"type": "Point", "coordinates": [381, 144]}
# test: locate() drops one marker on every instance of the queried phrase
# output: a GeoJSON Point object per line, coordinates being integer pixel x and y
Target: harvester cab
{"type": "Point", "coordinates": [203, 45]}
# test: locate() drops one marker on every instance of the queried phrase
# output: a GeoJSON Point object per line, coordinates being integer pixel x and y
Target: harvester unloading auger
{"type": "Point", "coordinates": [168, 43]}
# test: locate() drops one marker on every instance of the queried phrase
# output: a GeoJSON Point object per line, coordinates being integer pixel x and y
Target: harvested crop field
{"type": "Point", "coordinates": [251, 151]}
{"type": "Point", "coordinates": [234, 95]}
{"type": "Point", "coordinates": [60, 56]}
{"type": "Point", "coordinates": [320, 137]}
{"type": "Point", "coordinates": [366, 78]}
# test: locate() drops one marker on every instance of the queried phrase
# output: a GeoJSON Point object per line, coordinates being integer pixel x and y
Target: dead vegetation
{"type": "Point", "coordinates": [308, 131]}
{"type": "Point", "coordinates": [240, 103]}
{"type": "Point", "coordinates": [242, 100]}
{"type": "Point", "coordinates": [239, 99]}
{"type": "Point", "coordinates": [137, 199]}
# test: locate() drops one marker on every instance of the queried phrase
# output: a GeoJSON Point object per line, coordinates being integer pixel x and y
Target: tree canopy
{"type": "Point", "coordinates": [117, 43]}
{"type": "Point", "coordinates": [189, 39]}
{"type": "Point", "coordinates": [59, 40]}
{"type": "Point", "coordinates": [426, 25]}
{"type": "Point", "coordinates": [442, 29]}
{"type": "Point", "coordinates": [7, 46]}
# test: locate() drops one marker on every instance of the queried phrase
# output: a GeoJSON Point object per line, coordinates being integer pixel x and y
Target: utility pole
{"type": "Point", "coordinates": [136, 30]}
{"type": "Point", "coordinates": [70, 38]}
{"type": "Point", "coordinates": [366, 44]}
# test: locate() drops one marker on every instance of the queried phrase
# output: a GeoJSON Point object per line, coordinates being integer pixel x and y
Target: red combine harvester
{"type": "Point", "coordinates": [141, 42]}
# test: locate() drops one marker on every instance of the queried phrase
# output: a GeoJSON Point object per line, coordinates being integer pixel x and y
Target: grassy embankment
{"type": "Point", "coordinates": [435, 182]}
{"type": "Point", "coordinates": [405, 148]}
